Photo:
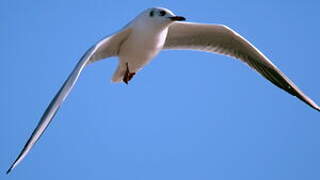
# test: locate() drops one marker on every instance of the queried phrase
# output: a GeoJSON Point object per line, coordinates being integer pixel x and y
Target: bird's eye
{"type": "Point", "coordinates": [151, 13]}
{"type": "Point", "coordinates": [162, 13]}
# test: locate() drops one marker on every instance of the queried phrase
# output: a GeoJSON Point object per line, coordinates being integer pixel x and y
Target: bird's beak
{"type": "Point", "coordinates": [177, 18]}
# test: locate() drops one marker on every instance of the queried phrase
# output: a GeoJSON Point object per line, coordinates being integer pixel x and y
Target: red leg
{"type": "Point", "coordinates": [128, 75]}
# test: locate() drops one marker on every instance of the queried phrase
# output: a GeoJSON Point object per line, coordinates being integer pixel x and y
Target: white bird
{"type": "Point", "coordinates": [157, 29]}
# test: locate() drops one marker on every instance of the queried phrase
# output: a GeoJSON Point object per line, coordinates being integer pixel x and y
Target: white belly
{"type": "Point", "coordinates": [140, 48]}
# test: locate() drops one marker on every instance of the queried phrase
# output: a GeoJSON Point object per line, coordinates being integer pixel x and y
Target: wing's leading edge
{"type": "Point", "coordinates": [105, 48]}
{"type": "Point", "coordinates": [53, 108]}
{"type": "Point", "coordinates": [222, 40]}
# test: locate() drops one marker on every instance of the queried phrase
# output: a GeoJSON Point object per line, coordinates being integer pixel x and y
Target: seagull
{"type": "Point", "coordinates": [153, 30]}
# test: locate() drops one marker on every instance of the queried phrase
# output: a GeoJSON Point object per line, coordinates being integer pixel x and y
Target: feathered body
{"type": "Point", "coordinates": [141, 46]}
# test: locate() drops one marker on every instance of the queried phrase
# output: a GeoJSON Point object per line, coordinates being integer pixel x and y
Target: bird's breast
{"type": "Point", "coordinates": [141, 47]}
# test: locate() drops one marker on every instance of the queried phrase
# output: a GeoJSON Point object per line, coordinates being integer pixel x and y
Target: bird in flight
{"type": "Point", "coordinates": [157, 29]}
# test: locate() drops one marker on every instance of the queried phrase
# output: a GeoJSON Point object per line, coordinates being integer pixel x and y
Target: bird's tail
{"type": "Point", "coordinates": [119, 73]}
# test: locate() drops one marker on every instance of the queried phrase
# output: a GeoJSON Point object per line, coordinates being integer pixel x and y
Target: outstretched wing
{"type": "Point", "coordinates": [105, 48]}
{"type": "Point", "coordinates": [221, 39]}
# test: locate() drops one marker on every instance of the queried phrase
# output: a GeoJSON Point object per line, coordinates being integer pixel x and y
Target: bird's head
{"type": "Point", "coordinates": [158, 17]}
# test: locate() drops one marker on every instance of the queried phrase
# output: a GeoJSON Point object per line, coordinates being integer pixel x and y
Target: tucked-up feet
{"type": "Point", "coordinates": [128, 75]}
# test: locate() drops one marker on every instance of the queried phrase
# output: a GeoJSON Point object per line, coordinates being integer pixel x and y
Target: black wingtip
{"type": "Point", "coordinates": [315, 106]}
{"type": "Point", "coordinates": [11, 167]}
{"type": "Point", "coordinates": [9, 170]}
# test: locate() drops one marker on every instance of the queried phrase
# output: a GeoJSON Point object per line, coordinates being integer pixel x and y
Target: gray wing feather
{"type": "Point", "coordinates": [53, 108]}
{"type": "Point", "coordinates": [105, 48]}
{"type": "Point", "coordinates": [222, 40]}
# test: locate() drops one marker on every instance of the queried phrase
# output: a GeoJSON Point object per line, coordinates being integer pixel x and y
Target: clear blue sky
{"type": "Point", "coordinates": [187, 115]}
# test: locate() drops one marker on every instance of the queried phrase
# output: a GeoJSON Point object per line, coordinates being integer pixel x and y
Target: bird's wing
{"type": "Point", "coordinates": [222, 40]}
{"type": "Point", "coordinates": [105, 48]}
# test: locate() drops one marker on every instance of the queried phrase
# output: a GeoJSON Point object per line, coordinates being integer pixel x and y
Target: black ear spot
{"type": "Point", "coordinates": [151, 13]}
{"type": "Point", "coordinates": [162, 13]}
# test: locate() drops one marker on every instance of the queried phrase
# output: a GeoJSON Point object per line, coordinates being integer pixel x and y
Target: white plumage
{"type": "Point", "coordinates": [143, 38]}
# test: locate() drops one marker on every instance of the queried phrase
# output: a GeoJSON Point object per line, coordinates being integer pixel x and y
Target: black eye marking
{"type": "Point", "coordinates": [151, 13]}
{"type": "Point", "coordinates": [162, 13]}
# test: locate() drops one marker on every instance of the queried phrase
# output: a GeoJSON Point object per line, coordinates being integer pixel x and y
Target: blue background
{"type": "Point", "coordinates": [187, 115]}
